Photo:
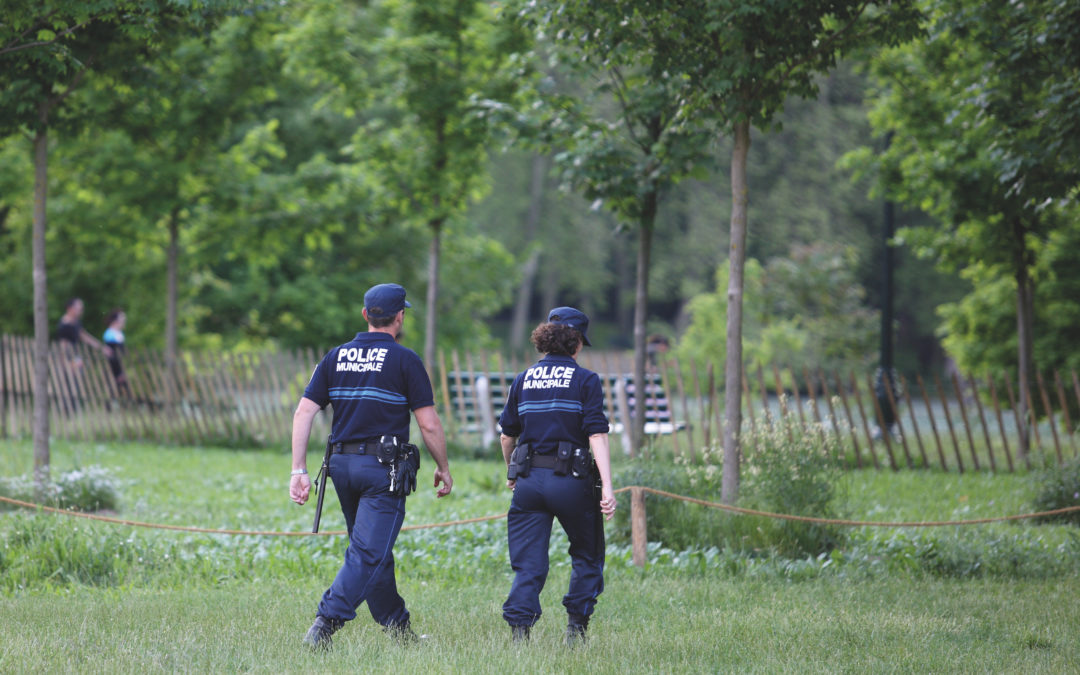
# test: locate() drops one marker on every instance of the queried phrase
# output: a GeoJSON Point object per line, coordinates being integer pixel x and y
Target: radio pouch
{"type": "Point", "coordinates": [387, 450]}
{"type": "Point", "coordinates": [564, 459]}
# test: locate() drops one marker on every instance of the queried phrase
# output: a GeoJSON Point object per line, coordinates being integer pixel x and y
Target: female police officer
{"type": "Point", "coordinates": [555, 413]}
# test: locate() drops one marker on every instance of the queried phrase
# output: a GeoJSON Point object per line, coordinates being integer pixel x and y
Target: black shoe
{"type": "Point", "coordinates": [403, 634]}
{"type": "Point", "coordinates": [575, 635]}
{"type": "Point", "coordinates": [318, 636]}
{"type": "Point", "coordinates": [520, 634]}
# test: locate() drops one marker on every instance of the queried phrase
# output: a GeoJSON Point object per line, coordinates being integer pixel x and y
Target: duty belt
{"type": "Point", "coordinates": [353, 448]}
{"type": "Point", "coordinates": [546, 461]}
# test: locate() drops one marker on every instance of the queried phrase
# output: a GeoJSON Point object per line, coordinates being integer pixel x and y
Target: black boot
{"type": "Point", "coordinates": [575, 630]}
{"type": "Point", "coordinates": [520, 634]}
{"type": "Point", "coordinates": [403, 634]}
{"type": "Point", "coordinates": [318, 636]}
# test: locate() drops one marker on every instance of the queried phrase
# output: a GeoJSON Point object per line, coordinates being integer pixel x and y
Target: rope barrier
{"type": "Point", "coordinates": [479, 519]}
{"type": "Point", "coordinates": [207, 530]}
{"type": "Point", "coordinates": [853, 523]}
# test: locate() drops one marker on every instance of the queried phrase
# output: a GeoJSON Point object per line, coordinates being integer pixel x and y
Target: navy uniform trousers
{"type": "Point", "coordinates": [373, 518]}
{"type": "Point", "coordinates": [538, 499]}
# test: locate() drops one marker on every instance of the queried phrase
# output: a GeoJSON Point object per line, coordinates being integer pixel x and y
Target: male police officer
{"type": "Point", "coordinates": [372, 383]}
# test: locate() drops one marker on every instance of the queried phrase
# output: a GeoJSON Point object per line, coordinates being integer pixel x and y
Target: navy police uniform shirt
{"type": "Point", "coordinates": [374, 384]}
{"type": "Point", "coordinates": [555, 400]}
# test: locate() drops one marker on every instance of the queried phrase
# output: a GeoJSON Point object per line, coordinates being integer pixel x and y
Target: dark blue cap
{"type": "Point", "coordinates": [385, 300]}
{"type": "Point", "coordinates": [568, 316]}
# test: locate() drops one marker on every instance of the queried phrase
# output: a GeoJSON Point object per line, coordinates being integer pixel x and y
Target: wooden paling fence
{"type": "Point", "coordinates": [223, 399]}
{"type": "Point", "coordinates": [952, 422]}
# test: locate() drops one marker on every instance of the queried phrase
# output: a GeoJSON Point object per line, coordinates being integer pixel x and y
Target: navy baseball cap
{"type": "Point", "coordinates": [385, 300]}
{"type": "Point", "coordinates": [568, 316]}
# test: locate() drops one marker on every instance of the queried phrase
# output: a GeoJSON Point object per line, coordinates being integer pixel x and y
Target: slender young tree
{"type": "Point", "coordinates": [47, 51]}
{"type": "Point", "coordinates": [744, 59]}
{"type": "Point", "coordinates": [629, 140]}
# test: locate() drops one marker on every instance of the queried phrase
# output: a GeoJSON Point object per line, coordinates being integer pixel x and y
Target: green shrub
{"type": "Point", "coordinates": [793, 468]}
{"type": "Point", "coordinates": [1058, 488]}
{"type": "Point", "coordinates": [787, 468]}
{"type": "Point", "coordinates": [678, 525]}
{"type": "Point", "coordinates": [89, 489]}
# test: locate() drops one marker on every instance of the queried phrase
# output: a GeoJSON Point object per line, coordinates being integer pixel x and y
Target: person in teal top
{"type": "Point", "coordinates": [114, 340]}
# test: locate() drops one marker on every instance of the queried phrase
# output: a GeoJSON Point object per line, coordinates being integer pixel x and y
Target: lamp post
{"type": "Point", "coordinates": [886, 374]}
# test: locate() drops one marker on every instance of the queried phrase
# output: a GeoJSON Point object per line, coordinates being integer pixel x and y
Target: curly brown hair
{"type": "Point", "coordinates": [556, 338]}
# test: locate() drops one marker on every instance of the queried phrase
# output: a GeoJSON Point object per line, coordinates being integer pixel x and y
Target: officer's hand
{"type": "Point", "coordinates": [511, 483]}
{"type": "Point", "coordinates": [299, 488]}
{"type": "Point", "coordinates": [447, 482]}
{"type": "Point", "coordinates": [607, 503]}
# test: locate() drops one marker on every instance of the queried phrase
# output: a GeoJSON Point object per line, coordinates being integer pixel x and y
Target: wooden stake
{"type": "Point", "coordinates": [1020, 423]}
{"type": "Point", "coordinates": [881, 424]}
{"type": "Point", "coordinates": [896, 417]}
{"type": "Point", "coordinates": [948, 421]}
{"type": "Point", "coordinates": [933, 424]}
{"type": "Point", "coordinates": [1049, 414]}
{"type": "Point", "coordinates": [964, 417]}
{"type": "Point", "coordinates": [865, 423]}
{"type": "Point", "coordinates": [1000, 421]}
{"type": "Point", "coordinates": [982, 422]}
{"type": "Point", "coordinates": [1065, 411]}
{"type": "Point", "coordinates": [914, 423]}
{"type": "Point", "coordinates": [638, 542]}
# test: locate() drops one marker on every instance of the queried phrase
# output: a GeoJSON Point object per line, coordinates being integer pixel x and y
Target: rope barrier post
{"type": "Point", "coordinates": [638, 542]}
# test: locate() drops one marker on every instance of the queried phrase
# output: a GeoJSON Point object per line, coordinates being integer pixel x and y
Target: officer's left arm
{"type": "Point", "coordinates": [435, 439]}
{"type": "Point", "coordinates": [598, 443]}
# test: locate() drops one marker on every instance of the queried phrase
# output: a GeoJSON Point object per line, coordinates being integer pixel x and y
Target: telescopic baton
{"type": "Point", "coordinates": [320, 486]}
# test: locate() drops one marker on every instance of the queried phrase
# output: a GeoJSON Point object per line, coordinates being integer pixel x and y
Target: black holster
{"type": "Point", "coordinates": [519, 462]}
{"type": "Point", "coordinates": [403, 463]}
{"type": "Point", "coordinates": [576, 462]}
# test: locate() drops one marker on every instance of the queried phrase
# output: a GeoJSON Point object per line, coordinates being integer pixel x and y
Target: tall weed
{"type": "Point", "coordinates": [787, 468]}
{"type": "Point", "coordinates": [1058, 488]}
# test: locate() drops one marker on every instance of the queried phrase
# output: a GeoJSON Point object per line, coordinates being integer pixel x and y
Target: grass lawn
{"type": "Point", "coordinates": [126, 599]}
{"type": "Point", "coordinates": [652, 622]}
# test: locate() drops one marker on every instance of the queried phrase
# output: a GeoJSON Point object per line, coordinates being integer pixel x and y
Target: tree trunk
{"type": "Point", "coordinates": [1024, 329]}
{"type": "Point", "coordinates": [641, 309]}
{"type": "Point", "coordinates": [41, 310]}
{"type": "Point", "coordinates": [522, 309]}
{"type": "Point", "coordinates": [729, 486]}
{"type": "Point", "coordinates": [432, 296]}
{"type": "Point", "coordinates": [172, 257]}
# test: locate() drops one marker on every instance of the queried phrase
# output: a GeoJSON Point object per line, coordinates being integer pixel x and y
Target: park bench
{"type": "Point", "coordinates": [476, 399]}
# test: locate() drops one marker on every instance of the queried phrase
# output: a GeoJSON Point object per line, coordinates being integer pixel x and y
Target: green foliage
{"type": "Point", "coordinates": [39, 550]}
{"type": "Point", "coordinates": [91, 489]}
{"type": "Point", "coordinates": [805, 311]}
{"type": "Point", "coordinates": [786, 469]}
{"type": "Point", "coordinates": [975, 145]}
{"type": "Point", "coordinates": [1058, 488]}
{"type": "Point", "coordinates": [980, 329]}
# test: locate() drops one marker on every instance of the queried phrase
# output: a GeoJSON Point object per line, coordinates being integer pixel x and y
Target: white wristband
{"type": "Point", "coordinates": [298, 472]}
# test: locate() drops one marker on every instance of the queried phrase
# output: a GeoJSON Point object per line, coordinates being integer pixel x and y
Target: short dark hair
{"type": "Point", "coordinates": [380, 321]}
{"type": "Point", "coordinates": [556, 338]}
{"type": "Point", "coordinates": [111, 316]}
{"type": "Point", "coordinates": [71, 301]}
